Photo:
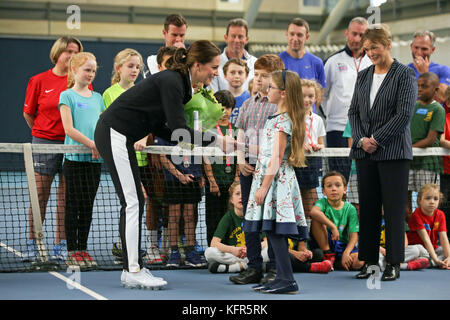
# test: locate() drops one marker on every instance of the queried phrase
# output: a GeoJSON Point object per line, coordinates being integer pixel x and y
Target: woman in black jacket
{"type": "Point", "coordinates": [380, 114]}
{"type": "Point", "coordinates": [154, 105]}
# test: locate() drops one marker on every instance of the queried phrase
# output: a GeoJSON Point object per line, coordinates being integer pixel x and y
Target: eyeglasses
{"type": "Point", "coordinates": [272, 87]}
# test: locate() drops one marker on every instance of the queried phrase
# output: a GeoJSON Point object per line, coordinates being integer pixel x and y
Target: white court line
{"type": "Point", "coordinates": [60, 276]}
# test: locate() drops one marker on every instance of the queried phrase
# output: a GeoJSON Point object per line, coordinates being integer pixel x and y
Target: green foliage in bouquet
{"type": "Point", "coordinates": [209, 110]}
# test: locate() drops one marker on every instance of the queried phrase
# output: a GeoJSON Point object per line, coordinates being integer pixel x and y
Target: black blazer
{"type": "Point", "coordinates": [154, 105]}
{"type": "Point", "coordinates": [389, 118]}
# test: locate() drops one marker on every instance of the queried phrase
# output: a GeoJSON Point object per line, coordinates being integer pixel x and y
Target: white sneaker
{"type": "Point", "coordinates": [142, 279]}
{"type": "Point", "coordinates": [151, 275]}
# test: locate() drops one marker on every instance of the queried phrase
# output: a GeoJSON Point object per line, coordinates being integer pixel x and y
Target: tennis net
{"type": "Point", "coordinates": [35, 199]}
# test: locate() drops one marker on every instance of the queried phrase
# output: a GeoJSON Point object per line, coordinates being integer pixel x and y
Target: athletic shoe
{"type": "Point", "coordinates": [193, 259]}
{"type": "Point", "coordinates": [417, 264]}
{"type": "Point", "coordinates": [141, 280]}
{"type": "Point", "coordinates": [282, 287]}
{"type": "Point", "coordinates": [214, 267]}
{"type": "Point", "coordinates": [151, 275]}
{"type": "Point", "coordinates": [89, 262]}
{"type": "Point", "coordinates": [60, 251]}
{"type": "Point", "coordinates": [153, 255]}
{"type": "Point", "coordinates": [123, 277]}
{"type": "Point", "coordinates": [31, 254]}
{"type": "Point", "coordinates": [75, 259]}
{"type": "Point", "coordinates": [174, 259]}
{"type": "Point", "coordinates": [321, 267]}
{"type": "Point", "coordinates": [330, 257]}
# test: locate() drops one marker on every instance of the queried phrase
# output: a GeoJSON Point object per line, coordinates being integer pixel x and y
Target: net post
{"type": "Point", "coordinates": [34, 200]}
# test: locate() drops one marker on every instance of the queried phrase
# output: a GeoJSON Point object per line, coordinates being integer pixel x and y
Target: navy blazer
{"type": "Point", "coordinates": [388, 121]}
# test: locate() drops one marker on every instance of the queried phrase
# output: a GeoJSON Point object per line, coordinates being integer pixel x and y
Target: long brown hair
{"type": "Point", "coordinates": [296, 111]}
{"type": "Point", "coordinates": [202, 51]}
{"type": "Point", "coordinates": [75, 62]}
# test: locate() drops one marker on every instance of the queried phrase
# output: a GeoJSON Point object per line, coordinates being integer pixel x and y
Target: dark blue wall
{"type": "Point", "coordinates": [20, 59]}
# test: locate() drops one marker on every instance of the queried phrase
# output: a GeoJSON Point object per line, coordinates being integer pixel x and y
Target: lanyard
{"type": "Point", "coordinates": [230, 133]}
{"type": "Point", "coordinates": [354, 60]}
{"type": "Point", "coordinates": [309, 132]}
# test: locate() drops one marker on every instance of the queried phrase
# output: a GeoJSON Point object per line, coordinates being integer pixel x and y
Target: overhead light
{"type": "Point", "coordinates": [377, 3]}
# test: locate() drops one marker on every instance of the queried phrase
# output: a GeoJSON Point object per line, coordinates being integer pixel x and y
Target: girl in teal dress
{"type": "Point", "coordinates": [275, 203]}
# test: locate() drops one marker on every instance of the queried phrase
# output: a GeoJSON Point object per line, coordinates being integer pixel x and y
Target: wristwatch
{"type": "Point", "coordinates": [360, 142]}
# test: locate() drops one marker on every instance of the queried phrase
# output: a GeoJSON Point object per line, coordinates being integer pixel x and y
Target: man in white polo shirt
{"type": "Point", "coordinates": [341, 71]}
{"type": "Point", "coordinates": [236, 39]}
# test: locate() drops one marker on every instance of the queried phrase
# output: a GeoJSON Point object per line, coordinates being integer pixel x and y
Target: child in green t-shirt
{"type": "Point", "coordinates": [427, 126]}
{"type": "Point", "coordinates": [227, 251]}
{"type": "Point", "coordinates": [335, 224]}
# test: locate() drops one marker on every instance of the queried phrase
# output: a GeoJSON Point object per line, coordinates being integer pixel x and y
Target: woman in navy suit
{"type": "Point", "coordinates": [380, 113]}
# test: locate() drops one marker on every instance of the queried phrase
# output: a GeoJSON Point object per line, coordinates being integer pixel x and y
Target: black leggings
{"type": "Point", "coordinates": [82, 180]}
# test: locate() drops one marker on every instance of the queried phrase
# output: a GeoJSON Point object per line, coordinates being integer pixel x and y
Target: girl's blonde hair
{"type": "Point", "coordinates": [311, 84]}
{"type": "Point", "coordinates": [427, 187]}
{"type": "Point", "coordinates": [296, 111]}
{"type": "Point", "coordinates": [75, 62]}
{"type": "Point", "coordinates": [120, 59]}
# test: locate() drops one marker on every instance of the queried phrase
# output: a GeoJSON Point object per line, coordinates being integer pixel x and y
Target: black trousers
{"type": "Point", "coordinates": [282, 258]}
{"type": "Point", "coordinates": [82, 180]}
{"type": "Point", "coordinates": [215, 207]}
{"type": "Point", "coordinates": [119, 156]}
{"type": "Point", "coordinates": [382, 186]}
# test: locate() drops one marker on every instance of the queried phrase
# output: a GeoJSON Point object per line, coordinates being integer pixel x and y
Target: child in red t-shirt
{"type": "Point", "coordinates": [427, 226]}
{"type": "Point", "coordinates": [445, 177]}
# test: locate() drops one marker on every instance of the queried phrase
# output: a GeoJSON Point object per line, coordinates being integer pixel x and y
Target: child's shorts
{"type": "Point", "coordinates": [336, 246]}
{"type": "Point", "coordinates": [177, 193]}
{"type": "Point", "coordinates": [47, 163]}
{"type": "Point", "coordinates": [308, 177]}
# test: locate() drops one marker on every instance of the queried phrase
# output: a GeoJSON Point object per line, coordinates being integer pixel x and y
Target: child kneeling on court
{"type": "Point", "coordinates": [335, 224]}
{"type": "Point", "coordinates": [228, 252]}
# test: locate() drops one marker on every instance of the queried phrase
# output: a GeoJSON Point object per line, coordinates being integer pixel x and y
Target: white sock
{"type": "Point", "coordinates": [237, 267]}
{"type": "Point", "coordinates": [404, 266]}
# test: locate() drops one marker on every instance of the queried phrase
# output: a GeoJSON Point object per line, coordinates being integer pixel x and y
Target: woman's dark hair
{"type": "Point", "coordinates": [202, 51]}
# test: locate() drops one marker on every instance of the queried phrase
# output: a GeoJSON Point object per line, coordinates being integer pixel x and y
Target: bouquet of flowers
{"type": "Point", "coordinates": [209, 110]}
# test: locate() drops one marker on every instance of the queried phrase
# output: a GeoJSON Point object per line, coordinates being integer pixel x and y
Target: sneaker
{"type": "Point", "coordinates": [418, 264]}
{"type": "Point", "coordinates": [193, 259]}
{"type": "Point", "coordinates": [271, 275]}
{"type": "Point", "coordinates": [330, 257]}
{"type": "Point", "coordinates": [174, 259]}
{"type": "Point", "coordinates": [151, 275]}
{"type": "Point", "coordinates": [60, 251]}
{"type": "Point", "coordinates": [153, 255]}
{"type": "Point", "coordinates": [321, 267]}
{"type": "Point", "coordinates": [31, 254]}
{"type": "Point", "coordinates": [141, 280]}
{"type": "Point", "coordinates": [89, 262]}
{"type": "Point", "coordinates": [75, 259]}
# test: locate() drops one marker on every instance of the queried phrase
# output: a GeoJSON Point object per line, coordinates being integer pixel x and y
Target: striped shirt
{"type": "Point", "coordinates": [388, 121]}
{"type": "Point", "coordinates": [253, 116]}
